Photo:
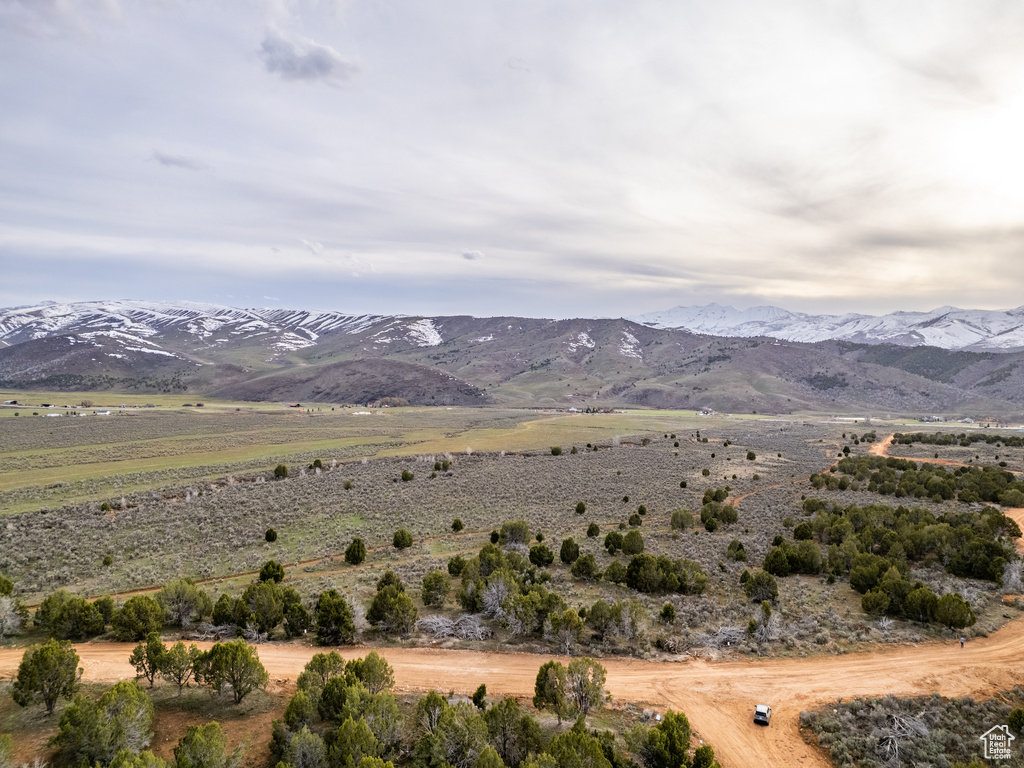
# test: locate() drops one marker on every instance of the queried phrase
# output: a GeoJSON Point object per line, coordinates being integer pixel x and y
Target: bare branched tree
{"type": "Point", "coordinates": [253, 635]}
{"type": "Point", "coordinates": [10, 618]}
{"type": "Point", "coordinates": [723, 636]}
{"type": "Point", "coordinates": [1012, 578]}
{"type": "Point", "coordinates": [495, 595]}
{"type": "Point", "coordinates": [465, 627]}
{"type": "Point", "coordinates": [898, 729]}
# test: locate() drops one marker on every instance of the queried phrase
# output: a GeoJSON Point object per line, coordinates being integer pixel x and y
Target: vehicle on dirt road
{"type": "Point", "coordinates": [762, 714]}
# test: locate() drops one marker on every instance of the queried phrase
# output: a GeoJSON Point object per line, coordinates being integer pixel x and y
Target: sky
{"type": "Point", "coordinates": [526, 157]}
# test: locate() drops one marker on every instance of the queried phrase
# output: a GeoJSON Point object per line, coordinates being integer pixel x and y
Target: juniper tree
{"type": "Point", "coordinates": [48, 671]}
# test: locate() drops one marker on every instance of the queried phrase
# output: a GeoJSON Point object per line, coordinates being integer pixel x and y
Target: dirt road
{"type": "Point", "coordinates": [881, 448]}
{"type": "Point", "coordinates": [718, 697]}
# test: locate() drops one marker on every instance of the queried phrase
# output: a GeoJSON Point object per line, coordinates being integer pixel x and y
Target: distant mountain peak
{"type": "Point", "coordinates": [948, 327]}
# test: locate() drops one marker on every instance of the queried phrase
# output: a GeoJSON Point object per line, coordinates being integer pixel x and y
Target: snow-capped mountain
{"type": "Point", "coordinates": [683, 358]}
{"type": "Point", "coordinates": [148, 326]}
{"type": "Point", "coordinates": [945, 327]}
{"type": "Point", "coordinates": [173, 328]}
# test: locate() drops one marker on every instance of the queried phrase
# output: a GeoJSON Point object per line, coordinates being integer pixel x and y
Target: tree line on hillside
{"type": "Point", "coordinates": [265, 607]}
{"type": "Point", "coordinates": [964, 439]}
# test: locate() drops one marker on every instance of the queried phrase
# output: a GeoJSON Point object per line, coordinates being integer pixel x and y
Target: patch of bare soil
{"type": "Point", "coordinates": [248, 724]}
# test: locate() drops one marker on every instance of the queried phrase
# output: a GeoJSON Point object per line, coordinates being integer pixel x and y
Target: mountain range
{"type": "Point", "coordinates": [764, 359]}
{"type": "Point", "coordinates": [945, 327]}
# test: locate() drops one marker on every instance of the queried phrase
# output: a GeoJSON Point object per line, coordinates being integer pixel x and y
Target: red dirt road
{"type": "Point", "coordinates": [881, 448]}
{"type": "Point", "coordinates": [718, 697]}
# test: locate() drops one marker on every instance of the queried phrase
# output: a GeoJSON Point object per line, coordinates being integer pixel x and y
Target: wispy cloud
{"type": "Point", "coordinates": [299, 58]}
{"type": "Point", "coordinates": [178, 161]}
{"type": "Point", "coordinates": [472, 255]}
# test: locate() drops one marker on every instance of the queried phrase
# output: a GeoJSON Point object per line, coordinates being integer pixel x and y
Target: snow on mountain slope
{"type": "Point", "coordinates": [150, 322]}
{"type": "Point", "coordinates": [190, 327]}
{"type": "Point", "coordinates": [424, 333]}
{"type": "Point", "coordinates": [630, 346]}
{"type": "Point", "coordinates": [946, 327]}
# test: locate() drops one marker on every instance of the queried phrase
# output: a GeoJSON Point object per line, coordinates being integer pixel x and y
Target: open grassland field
{"type": "Point", "coordinates": [121, 505]}
{"type": "Point", "coordinates": [47, 462]}
{"type": "Point", "coordinates": [218, 527]}
{"type": "Point", "coordinates": [207, 520]}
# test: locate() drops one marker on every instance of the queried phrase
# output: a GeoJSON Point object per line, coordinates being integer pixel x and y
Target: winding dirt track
{"type": "Point", "coordinates": [881, 448]}
{"type": "Point", "coordinates": [717, 696]}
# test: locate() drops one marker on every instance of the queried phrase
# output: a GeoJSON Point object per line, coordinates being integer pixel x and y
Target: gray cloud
{"type": "Point", "coordinates": [656, 153]}
{"type": "Point", "coordinates": [300, 58]}
{"type": "Point", "coordinates": [942, 239]}
{"type": "Point", "coordinates": [178, 161]}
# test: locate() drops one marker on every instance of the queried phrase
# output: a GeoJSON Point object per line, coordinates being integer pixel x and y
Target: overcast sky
{"type": "Point", "coordinates": [524, 157]}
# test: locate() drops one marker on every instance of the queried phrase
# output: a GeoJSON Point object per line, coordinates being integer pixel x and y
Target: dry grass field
{"type": "Point", "coordinates": [191, 493]}
{"type": "Point", "coordinates": [178, 491]}
{"type": "Point", "coordinates": [51, 461]}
